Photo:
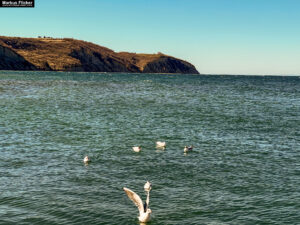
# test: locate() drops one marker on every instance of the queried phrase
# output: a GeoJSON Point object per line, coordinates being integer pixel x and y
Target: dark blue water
{"type": "Point", "coordinates": [245, 167]}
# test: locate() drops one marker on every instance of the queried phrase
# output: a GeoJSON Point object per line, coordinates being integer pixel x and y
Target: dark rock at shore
{"type": "Point", "coordinates": [75, 55]}
{"type": "Point", "coordinates": [167, 64]}
{"type": "Point", "coordinates": [10, 60]}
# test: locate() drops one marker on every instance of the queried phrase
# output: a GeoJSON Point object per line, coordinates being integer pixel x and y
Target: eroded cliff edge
{"type": "Point", "coordinates": [76, 55]}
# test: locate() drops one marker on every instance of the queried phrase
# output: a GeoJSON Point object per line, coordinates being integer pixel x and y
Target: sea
{"type": "Point", "coordinates": [244, 167]}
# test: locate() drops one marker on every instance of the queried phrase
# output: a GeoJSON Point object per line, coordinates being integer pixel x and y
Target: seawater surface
{"type": "Point", "coordinates": [245, 168]}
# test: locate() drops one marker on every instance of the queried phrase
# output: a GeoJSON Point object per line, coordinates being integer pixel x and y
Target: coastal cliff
{"type": "Point", "coordinates": [68, 54]}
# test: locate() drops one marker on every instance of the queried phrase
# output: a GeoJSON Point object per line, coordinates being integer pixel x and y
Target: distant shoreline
{"type": "Point", "coordinates": [257, 75]}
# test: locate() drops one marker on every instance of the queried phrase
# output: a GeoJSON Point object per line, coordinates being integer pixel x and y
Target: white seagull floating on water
{"type": "Point", "coordinates": [86, 159]}
{"type": "Point", "coordinates": [188, 149]}
{"type": "Point", "coordinates": [160, 144]}
{"type": "Point", "coordinates": [144, 210]}
{"type": "Point", "coordinates": [137, 148]}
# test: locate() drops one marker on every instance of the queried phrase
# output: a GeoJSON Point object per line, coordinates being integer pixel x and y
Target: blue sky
{"type": "Point", "coordinates": [217, 36]}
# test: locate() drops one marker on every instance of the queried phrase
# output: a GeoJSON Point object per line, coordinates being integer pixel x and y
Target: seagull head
{"type": "Point", "coordinates": [147, 186]}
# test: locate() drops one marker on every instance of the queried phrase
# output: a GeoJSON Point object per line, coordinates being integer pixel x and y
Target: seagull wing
{"type": "Point", "coordinates": [135, 198]}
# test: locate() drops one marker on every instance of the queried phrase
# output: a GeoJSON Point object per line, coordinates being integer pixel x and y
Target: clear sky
{"type": "Point", "coordinates": [217, 36]}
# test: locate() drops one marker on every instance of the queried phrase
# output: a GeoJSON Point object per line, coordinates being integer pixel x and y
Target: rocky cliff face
{"type": "Point", "coordinates": [75, 55]}
{"type": "Point", "coordinates": [10, 60]}
{"type": "Point", "coordinates": [167, 64]}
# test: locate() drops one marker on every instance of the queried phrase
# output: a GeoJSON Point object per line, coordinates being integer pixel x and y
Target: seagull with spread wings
{"type": "Point", "coordinates": [144, 210]}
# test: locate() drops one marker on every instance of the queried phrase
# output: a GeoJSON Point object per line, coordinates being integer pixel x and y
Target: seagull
{"type": "Point", "coordinates": [160, 144]}
{"type": "Point", "coordinates": [137, 148]}
{"type": "Point", "coordinates": [86, 159]}
{"type": "Point", "coordinates": [188, 149]}
{"type": "Point", "coordinates": [144, 210]}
